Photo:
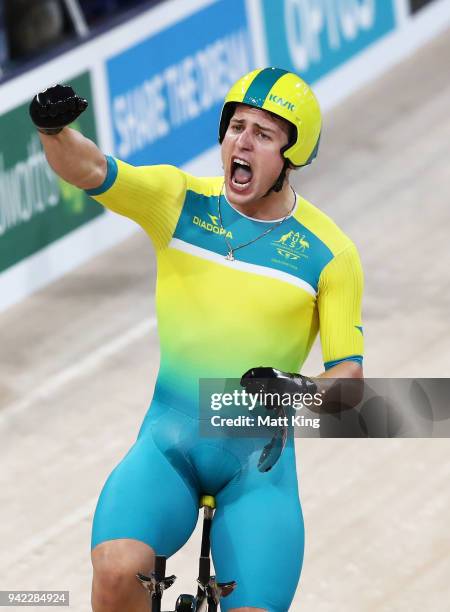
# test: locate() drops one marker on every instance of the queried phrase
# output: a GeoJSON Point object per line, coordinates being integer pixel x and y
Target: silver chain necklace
{"type": "Point", "coordinates": [231, 250]}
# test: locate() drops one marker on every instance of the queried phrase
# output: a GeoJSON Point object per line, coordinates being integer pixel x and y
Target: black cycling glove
{"type": "Point", "coordinates": [271, 380]}
{"type": "Point", "coordinates": [53, 109]}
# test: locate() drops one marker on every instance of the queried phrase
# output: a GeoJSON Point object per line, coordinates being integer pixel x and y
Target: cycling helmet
{"type": "Point", "coordinates": [285, 95]}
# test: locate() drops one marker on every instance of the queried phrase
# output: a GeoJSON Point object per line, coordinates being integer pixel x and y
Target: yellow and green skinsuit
{"type": "Point", "coordinates": [217, 319]}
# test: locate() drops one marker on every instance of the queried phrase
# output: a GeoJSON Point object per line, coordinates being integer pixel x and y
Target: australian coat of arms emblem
{"type": "Point", "coordinates": [292, 245]}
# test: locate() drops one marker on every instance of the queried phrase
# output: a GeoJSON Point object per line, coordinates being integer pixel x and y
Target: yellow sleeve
{"type": "Point", "coordinates": [152, 196]}
{"type": "Point", "coordinates": [339, 303]}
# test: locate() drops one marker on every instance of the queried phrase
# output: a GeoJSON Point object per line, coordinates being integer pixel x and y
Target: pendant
{"type": "Point", "coordinates": [230, 257]}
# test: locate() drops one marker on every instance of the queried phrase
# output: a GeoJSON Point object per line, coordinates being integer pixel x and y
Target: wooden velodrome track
{"type": "Point", "coordinates": [78, 362]}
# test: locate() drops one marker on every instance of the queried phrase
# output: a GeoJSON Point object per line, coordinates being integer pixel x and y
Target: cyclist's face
{"type": "Point", "coordinates": [255, 138]}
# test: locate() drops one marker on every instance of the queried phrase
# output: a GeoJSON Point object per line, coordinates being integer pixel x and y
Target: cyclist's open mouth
{"type": "Point", "coordinates": [241, 174]}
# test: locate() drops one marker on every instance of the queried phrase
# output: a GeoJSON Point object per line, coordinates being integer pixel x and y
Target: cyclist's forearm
{"type": "Point", "coordinates": [341, 387]}
{"type": "Point", "coordinates": [75, 158]}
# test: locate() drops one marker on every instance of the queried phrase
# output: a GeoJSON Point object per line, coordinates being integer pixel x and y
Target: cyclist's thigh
{"type": "Point", "coordinates": [258, 536]}
{"type": "Point", "coordinates": [147, 499]}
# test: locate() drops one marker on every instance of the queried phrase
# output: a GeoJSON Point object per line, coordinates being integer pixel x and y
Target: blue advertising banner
{"type": "Point", "coordinates": [166, 92]}
{"type": "Point", "coordinates": [311, 37]}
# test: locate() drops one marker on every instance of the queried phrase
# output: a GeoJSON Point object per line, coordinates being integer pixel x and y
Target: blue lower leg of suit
{"type": "Point", "coordinates": [257, 534]}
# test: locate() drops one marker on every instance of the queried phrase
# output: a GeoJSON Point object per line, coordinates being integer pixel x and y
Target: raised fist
{"type": "Point", "coordinates": [56, 107]}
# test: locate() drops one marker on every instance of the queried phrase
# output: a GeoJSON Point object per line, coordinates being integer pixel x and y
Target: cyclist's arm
{"type": "Point", "coordinates": [150, 195]}
{"type": "Point", "coordinates": [75, 158]}
{"type": "Point", "coordinates": [345, 369]}
{"type": "Point", "coordinates": [153, 196]}
{"type": "Point", "coordinates": [339, 303]}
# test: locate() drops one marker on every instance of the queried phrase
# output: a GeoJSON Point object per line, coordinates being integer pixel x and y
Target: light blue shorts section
{"type": "Point", "coordinates": [257, 534]}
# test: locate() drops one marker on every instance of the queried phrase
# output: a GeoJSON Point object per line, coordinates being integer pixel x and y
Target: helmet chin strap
{"type": "Point", "coordinates": [278, 185]}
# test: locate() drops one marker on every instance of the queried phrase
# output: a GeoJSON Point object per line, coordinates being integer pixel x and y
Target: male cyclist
{"type": "Point", "coordinates": [248, 271]}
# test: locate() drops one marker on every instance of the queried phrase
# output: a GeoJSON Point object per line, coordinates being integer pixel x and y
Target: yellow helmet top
{"type": "Point", "coordinates": [286, 95]}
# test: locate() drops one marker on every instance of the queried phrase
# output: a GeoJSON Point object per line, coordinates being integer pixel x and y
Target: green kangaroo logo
{"type": "Point", "coordinates": [285, 237]}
